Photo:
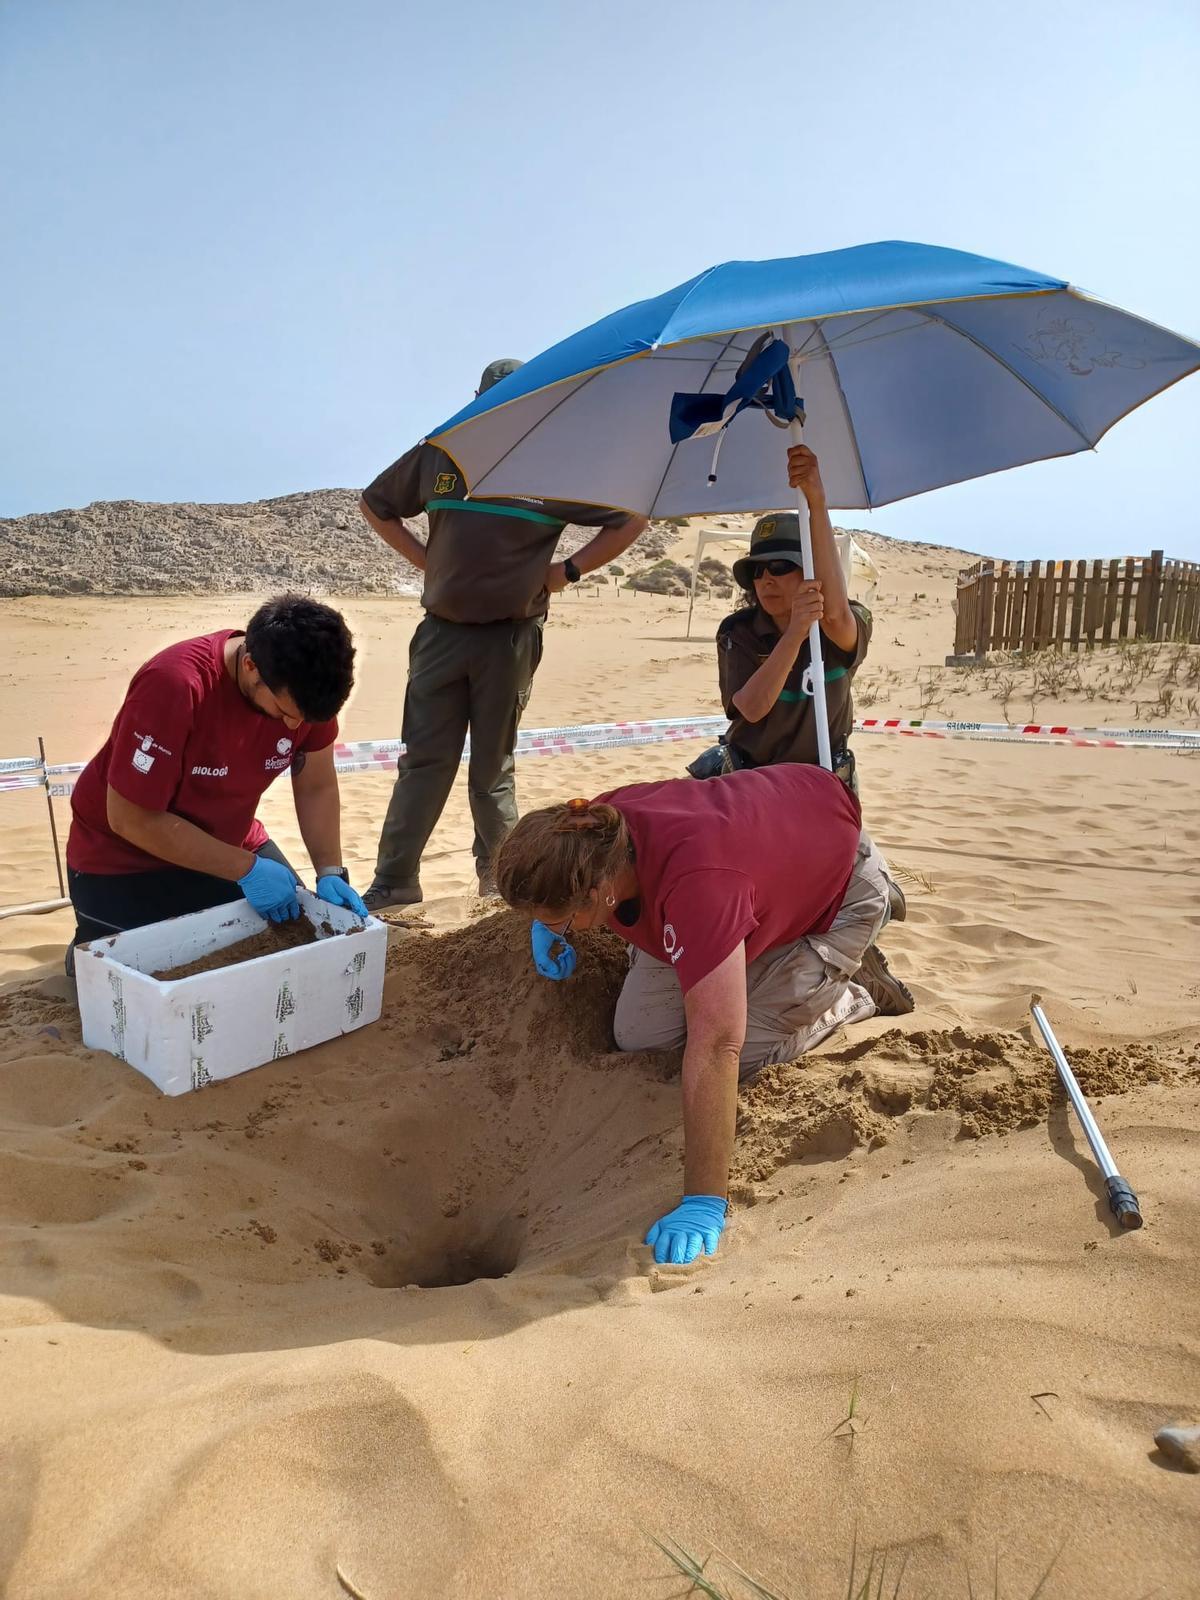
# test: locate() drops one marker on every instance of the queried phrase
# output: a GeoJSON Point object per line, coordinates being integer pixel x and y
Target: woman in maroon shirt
{"type": "Point", "coordinates": [750, 900]}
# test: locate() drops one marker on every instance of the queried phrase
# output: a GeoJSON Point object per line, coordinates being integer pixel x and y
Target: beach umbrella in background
{"type": "Point", "coordinates": [908, 366]}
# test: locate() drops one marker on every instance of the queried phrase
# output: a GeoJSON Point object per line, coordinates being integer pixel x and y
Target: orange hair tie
{"type": "Point", "coordinates": [578, 807]}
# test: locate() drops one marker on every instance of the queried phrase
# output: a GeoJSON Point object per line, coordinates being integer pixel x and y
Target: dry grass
{"type": "Point", "coordinates": [880, 1577]}
{"type": "Point", "coordinates": [913, 877]}
{"type": "Point", "coordinates": [1162, 680]}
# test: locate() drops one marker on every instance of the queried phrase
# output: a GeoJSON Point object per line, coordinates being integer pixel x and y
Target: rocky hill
{"type": "Point", "coordinates": [317, 542]}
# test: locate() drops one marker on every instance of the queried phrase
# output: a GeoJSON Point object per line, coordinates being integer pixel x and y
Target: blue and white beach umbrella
{"type": "Point", "coordinates": [914, 367]}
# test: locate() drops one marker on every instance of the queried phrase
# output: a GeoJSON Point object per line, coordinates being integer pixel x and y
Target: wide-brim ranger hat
{"type": "Point", "coordinates": [776, 537]}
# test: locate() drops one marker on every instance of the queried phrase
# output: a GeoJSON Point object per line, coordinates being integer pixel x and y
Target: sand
{"type": "Point", "coordinates": [238, 1355]}
{"type": "Point", "coordinates": [272, 940]}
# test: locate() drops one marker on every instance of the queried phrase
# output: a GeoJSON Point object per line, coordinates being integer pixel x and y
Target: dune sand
{"type": "Point", "coordinates": [239, 1357]}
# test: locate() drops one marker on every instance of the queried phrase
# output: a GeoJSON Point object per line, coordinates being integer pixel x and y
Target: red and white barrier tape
{"type": "Point", "coordinates": [1033, 730]}
{"type": "Point", "coordinates": [380, 755]}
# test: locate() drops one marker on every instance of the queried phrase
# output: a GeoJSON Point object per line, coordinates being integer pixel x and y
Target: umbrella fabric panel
{"type": "Point", "coordinates": [752, 466]}
{"type": "Point", "coordinates": [909, 409]}
{"type": "Point", "coordinates": [531, 445]}
{"type": "Point", "coordinates": [761, 294]}
{"type": "Point", "coordinates": [931, 407]}
{"type": "Point", "coordinates": [1092, 362]}
{"type": "Point", "coordinates": [584, 432]}
{"type": "Point", "coordinates": [898, 403]}
{"type": "Point", "coordinates": [923, 405]}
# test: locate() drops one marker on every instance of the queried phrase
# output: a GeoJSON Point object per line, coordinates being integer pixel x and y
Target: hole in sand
{"type": "Point", "coordinates": [474, 1247]}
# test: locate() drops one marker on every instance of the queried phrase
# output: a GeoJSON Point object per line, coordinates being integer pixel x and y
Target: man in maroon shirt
{"type": "Point", "coordinates": [751, 901]}
{"type": "Point", "coordinates": [163, 817]}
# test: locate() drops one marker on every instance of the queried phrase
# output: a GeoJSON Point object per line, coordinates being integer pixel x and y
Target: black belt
{"type": "Point", "coordinates": [496, 622]}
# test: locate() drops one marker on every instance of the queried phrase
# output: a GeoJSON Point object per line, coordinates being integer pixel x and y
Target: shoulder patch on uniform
{"type": "Point", "coordinates": [446, 483]}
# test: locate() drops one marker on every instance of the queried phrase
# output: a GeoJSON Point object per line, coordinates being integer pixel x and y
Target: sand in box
{"type": "Point", "coordinates": [276, 937]}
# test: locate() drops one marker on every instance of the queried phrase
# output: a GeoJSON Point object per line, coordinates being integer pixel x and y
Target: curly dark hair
{"type": "Point", "coordinates": [304, 649]}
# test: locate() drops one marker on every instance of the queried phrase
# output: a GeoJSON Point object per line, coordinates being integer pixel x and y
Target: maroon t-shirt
{"type": "Point", "coordinates": [185, 740]}
{"type": "Point", "coordinates": [762, 856]}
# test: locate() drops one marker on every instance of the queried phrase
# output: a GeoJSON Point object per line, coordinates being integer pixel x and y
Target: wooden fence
{"type": "Point", "coordinates": [1059, 605]}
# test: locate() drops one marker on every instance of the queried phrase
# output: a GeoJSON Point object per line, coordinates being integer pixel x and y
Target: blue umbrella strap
{"type": "Point", "coordinates": [763, 383]}
{"type": "Point", "coordinates": [764, 380]}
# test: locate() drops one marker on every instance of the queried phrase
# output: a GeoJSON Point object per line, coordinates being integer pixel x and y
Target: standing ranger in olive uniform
{"type": "Point", "coordinates": [489, 574]}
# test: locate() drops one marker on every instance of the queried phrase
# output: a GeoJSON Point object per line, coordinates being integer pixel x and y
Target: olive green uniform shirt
{"type": "Point", "coordinates": [485, 560]}
{"type": "Point", "coordinates": [788, 732]}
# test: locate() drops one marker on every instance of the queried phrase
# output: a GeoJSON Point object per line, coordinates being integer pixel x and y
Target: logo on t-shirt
{"type": "Point", "coordinates": [210, 772]}
{"type": "Point", "coordinates": [671, 943]}
{"type": "Point", "coordinates": [445, 483]}
{"type": "Point", "coordinates": [283, 759]}
{"type": "Point", "coordinates": [142, 759]}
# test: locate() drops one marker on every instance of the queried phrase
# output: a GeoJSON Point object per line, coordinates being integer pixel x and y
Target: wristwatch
{"type": "Point", "coordinates": [334, 872]}
{"type": "Point", "coordinates": [571, 571]}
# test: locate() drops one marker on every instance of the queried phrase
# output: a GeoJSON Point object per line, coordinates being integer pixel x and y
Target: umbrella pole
{"type": "Point", "coordinates": [820, 709]}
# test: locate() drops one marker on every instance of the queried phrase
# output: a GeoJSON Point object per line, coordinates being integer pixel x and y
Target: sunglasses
{"type": "Point", "coordinates": [777, 568]}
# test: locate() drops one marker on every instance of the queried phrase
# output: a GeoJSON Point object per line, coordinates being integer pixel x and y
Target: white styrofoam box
{"type": "Point", "coordinates": [192, 1031]}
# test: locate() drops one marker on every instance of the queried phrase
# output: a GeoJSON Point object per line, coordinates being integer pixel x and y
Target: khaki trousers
{"type": "Point", "coordinates": [796, 994]}
{"type": "Point", "coordinates": [462, 677]}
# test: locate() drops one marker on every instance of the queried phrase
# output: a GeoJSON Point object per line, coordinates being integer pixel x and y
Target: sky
{"type": "Point", "coordinates": [252, 247]}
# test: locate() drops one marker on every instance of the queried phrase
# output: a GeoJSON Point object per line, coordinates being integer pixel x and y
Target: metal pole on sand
{"type": "Point", "coordinates": [62, 888]}
{"type": "Point", "coordinates": [820, 710]}
{"type": "Point", "coordinates": [1122, 1201]}
{"type": "Point", "coordinates": [695, 579]}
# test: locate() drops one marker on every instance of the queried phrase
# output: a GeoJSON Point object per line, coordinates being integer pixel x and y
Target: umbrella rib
{"type": "Point", "coordinates": [849, 340]}
{"type": "Point", "coordinates": [932, 316]}
{"type": "Point", "coordinates": [829, 343]}
{"type": "Point", "coordinates": [701, 280]}
{"type": "Point", "coordinates": [846, 412]}
{"type": "Point", "coordinates": [499, 462]}
{"type": "Point", "coordinates": [671, 458]}
{"type": "Point", "coordinates": [815, 334]}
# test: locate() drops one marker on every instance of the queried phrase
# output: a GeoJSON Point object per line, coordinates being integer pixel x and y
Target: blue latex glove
{"type": "Point", "coordinates": [550, 963]}
{"type": "Point", "coordinates": [695, 1226]}
{"type": "Point", "coordinates": [271, 890]}
{"type": "Point", "coordinates": [337, 892]}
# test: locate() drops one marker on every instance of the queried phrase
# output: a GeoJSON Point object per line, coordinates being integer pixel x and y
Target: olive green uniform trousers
{"type": "Point", "coordinates": [462, 678]}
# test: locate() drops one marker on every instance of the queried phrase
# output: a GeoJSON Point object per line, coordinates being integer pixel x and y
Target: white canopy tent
{"type": "Point", "coordinates": [862, 575]}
